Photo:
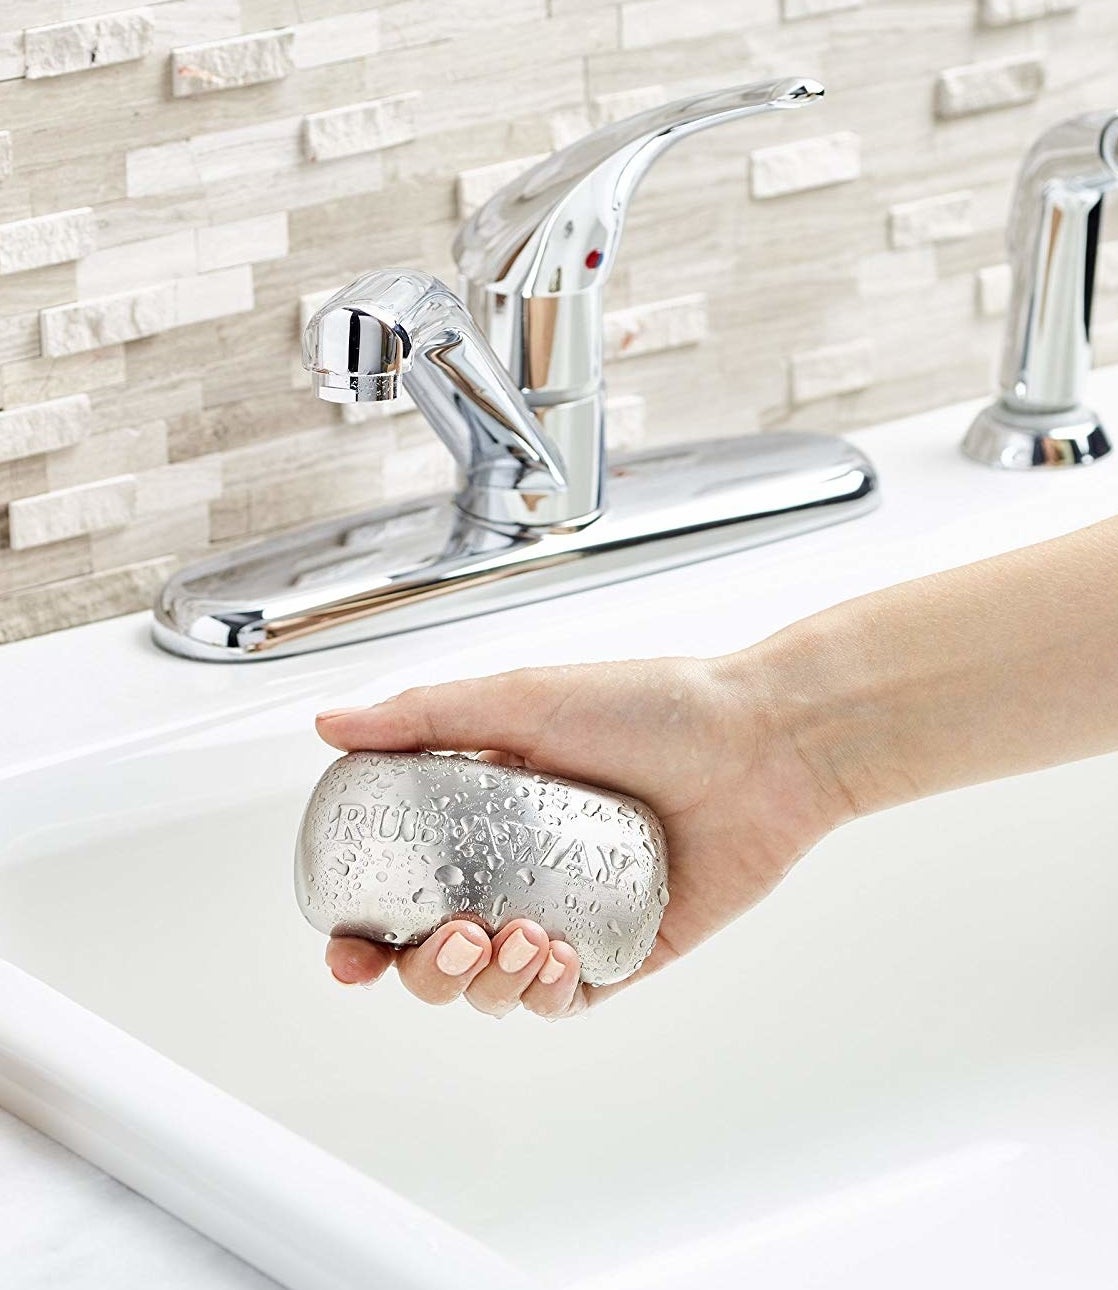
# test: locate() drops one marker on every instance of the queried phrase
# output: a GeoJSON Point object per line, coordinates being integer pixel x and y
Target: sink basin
{"type": "Point", "coordinates": [901, 1069]}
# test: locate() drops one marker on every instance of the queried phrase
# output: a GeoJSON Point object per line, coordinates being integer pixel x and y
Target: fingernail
{"type": "Point", "coordinates": [457, 955]}
{"type": "Point", "coordinates": [516, 953]}
{"type": "Point", "coordinates": [331, 713]}
{"type": "Point", "coordinates": [551, 971]}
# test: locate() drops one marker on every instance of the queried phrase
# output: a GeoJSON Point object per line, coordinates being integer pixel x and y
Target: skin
{"type": "Point", "coordinates": [994, 669]}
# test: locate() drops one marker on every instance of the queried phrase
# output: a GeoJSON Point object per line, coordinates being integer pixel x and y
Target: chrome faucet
{"type": "Point", "coordinates": [512, 383]}
{"type": "Point", "coordinates": [535, 258]}
{"type": "Point", "coordinates": [1056, 220]}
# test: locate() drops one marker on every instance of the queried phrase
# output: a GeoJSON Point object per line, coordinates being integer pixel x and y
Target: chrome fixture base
{"type": "Point", "coordinates": [1001, 437]}
{"type": "Point", "coordinates": [426, 562]}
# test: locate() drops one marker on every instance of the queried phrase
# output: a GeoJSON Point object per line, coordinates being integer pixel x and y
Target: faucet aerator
{"type": "Point", "coordinates": [332, 387]}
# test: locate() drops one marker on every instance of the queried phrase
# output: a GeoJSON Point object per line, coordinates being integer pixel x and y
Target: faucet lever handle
{"type": "Point", "coordinates": [554, 230]}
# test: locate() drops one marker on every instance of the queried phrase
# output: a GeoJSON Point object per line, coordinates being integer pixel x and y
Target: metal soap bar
{"type": "Point", "coordinates": [393, 845]}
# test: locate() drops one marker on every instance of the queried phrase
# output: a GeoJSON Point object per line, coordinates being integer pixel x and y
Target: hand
{"type": "Point", "coordinates": [703, 743]}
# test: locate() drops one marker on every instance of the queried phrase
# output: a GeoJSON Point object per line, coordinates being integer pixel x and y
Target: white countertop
{"type": "Point", "coordinates": [66, 1225]}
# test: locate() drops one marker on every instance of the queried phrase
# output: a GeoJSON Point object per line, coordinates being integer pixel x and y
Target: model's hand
{"type": "Point", "coordinates": [703, 743]}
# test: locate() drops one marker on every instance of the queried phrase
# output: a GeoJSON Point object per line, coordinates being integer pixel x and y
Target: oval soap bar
{"type": "Point", "coordinates": [393, 845]}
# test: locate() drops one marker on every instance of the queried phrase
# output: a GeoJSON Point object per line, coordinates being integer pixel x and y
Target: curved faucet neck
{"type": "Point", "coordinates": [555, 229]}
{"type": "Point", "coordinates": [535, 259]}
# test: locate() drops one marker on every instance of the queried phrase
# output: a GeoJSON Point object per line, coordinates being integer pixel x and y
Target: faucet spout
{"type": "Point", "coordinates": [402, 325]}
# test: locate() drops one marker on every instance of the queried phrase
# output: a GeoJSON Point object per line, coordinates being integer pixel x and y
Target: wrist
{"type": "Point", "coordinates": [823, 712]}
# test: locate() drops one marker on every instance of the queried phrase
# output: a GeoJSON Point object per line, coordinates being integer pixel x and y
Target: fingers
{"type": "Point", "coordinates": [519, 951]}
{"type": "Point", "coordinates": [507, 712]}
{"type": "Point", "coordinates": [519, 966]}
{"type": "Point", "coordinates": [443, 967]}
{"type": "Point", "coordinates": [556, 992]}
{"type": "Point", "coordinates": [357, 962]}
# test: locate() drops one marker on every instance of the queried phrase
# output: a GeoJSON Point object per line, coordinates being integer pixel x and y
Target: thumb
{"type": "Point", "coordinates": [508, 712]}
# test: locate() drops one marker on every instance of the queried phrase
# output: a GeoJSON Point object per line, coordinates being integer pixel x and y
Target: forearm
{"type": "Point", "coordinates": [994, 669]}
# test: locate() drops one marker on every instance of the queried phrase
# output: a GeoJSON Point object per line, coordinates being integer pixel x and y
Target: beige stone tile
{"type": "Point", "coordinates": [152, 396]}
{"type": "Point", "coordinates": [106, 321]}
{"type": "Point", "coordinates": [13, 63]}
{"type": "Point", "coordinates": [19, 338]}
{"type": "Point", "coordinates": [121, 451]}
{"type": "Point", "coordinates": [46, 239]}
{"type": "Point", "coordinates": [229, 515]}
{"type": "Point", "coordinates": [15, 200]}
{"type": "Point", "coordinates": [232, 62]}
{"type": "Point", "coordinates": [34, 380]}
{"type": "Point", "coordinates": [37, 289]}
{"type": "Point", "coordinates": [87, 44]}
{"type": "Point", "coordinates": [184, 533]}
{"type": "Point", "coordinates": [67, 512]}
{"type": "Point", "coordinates": [1001, 13]}
{"type": "Point", "coordinates": [94, 177]}
{"type": "Point", "coordinates": [20, 569]}
{"type": "Point", "coordinates": [137, 264]}
{"type": "Point", "coordinates": [986, 86]}
{"type": "Point", "coordinates": [314, 494]}
{"type": "Point", "coordinates": [835, 369]}
{"type": "Point", "coordinates": [81, 600]}
{"type": "Point", "coordinates": [44, 427]}
{"type": "Point", "coordinates": [337, 39]}
{"type": "Point", "coordinates": [180, 484]}
{"type": "Point", "coordinates": [235, 425]}
{"type": "Point", "coordinates": [657, 22]}
{"type": "Point", "coordinates": [421, 23]}
{"type": "Point", "coordinates": [659, 325]}
{"type": "Point", "coordinates": [23, 477]}
{"type": "Point", "coordinates": [358, 128]}
{"type": "Point", "coordinates": [188, 22]}
{"type": "Point", "coordinates": [247, 241]}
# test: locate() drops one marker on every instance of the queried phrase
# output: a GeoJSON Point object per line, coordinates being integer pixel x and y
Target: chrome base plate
{"type": "Point", "coordinates": [415, 564]}
{"type": "Point", "coordinates": [1011, 440]}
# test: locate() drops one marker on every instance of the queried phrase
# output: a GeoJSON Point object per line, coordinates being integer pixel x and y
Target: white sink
{"type": "Point", "coordinates": [900, 1070]}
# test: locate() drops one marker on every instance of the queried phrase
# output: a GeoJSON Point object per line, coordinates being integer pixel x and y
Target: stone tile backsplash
{"type": "Point", "coordinates": [181, 183]}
